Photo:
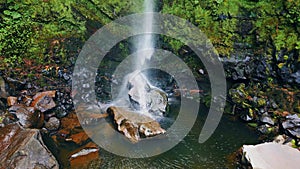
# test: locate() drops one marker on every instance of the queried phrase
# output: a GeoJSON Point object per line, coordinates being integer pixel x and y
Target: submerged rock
{"type": "Point", "coordinates": [78, 138]}
{"type": "Point", "coordinates": [81, 157]}
{"type": "Point", "coordinates": [24, 148]}
{"type": "Point", "coordinates": [272, 156]}
{"type": "Point", "coordinates": [133, 124]}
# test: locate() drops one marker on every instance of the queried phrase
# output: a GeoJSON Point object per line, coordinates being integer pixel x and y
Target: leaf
{"type": "Point", "coordinates": [16, 15]}
{"type": "Point", "coordinates": [280, 65]}
{"type": "Point", "coordinates": [6, 12]}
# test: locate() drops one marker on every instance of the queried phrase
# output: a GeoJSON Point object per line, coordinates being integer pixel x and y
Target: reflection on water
{"type": "Point", "coordinates": [229, 136]}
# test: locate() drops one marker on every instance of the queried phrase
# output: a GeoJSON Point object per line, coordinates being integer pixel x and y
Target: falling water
{"type": "Point", "coordinates": [145, 43]}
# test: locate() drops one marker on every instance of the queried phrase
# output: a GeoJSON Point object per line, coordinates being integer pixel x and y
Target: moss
{"type": "Point", "coordinates": [38, 30]}
{"type": "Point", "coordinates": [276, 22]}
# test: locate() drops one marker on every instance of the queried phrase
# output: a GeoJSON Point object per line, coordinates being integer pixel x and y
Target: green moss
{"type": "Point", "coordinates": [37, 29]}
{"type": "Point", "coordinates": [274, 21]}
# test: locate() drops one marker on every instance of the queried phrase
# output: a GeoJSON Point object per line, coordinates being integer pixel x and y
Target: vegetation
{"type": "Point", "coordinates": [242, 21]}
{"type": "Point", "coordinates": [38, 30]}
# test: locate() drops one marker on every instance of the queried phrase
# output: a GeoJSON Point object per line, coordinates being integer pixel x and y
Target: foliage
{"type": "Point", "coordinates": [38, 30]}
{"type": "Point", "coordinates": [222, 21]}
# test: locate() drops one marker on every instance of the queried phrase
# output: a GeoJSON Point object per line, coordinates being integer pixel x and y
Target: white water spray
{"type": "Point", "coordinates": [136, 88]}
{"type": "Point", "coordinates": [145, 42]}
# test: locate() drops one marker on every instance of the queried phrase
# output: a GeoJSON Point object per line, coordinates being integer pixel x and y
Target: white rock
{"type": "Point", "coordinates": [272, 156]}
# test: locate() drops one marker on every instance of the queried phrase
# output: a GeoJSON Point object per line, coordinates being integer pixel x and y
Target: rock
{"type": "Point", "coordinates": [246, 118]}
{"type": "Point", "coordinates": [150, 129]}
{"type": "Point", "coordinates": [292, 125]}
{"type": "Point", "coordinates": [78, 138]}
{"type": "Point", "coordinates": [43, 101]}
{"type": "Point", "coordinates": [279, 139]}
{"type": "Point", "coordinates": [24, 148]}
{"type": "Point", "coordinates": [272, 156]}
{"type": "Point", "coordinates": [27, 116]}
{"type": "Point", "coordinates": [283, 139]}
{"type": "Point", "coordinates": [133, 124]}
{"type": "Point", "coordinates": [145, 96]}
{"type": "Point", "coordinates": [12, 100]}
{"type": "Point", "coordinates": [265, 118]}
{"type": "Point", "coordinates": [52, 124]}
{"type": "Point", "coordinates": [26, 100]}
{"type": "Point", "coordinates": [90, 114]}
{"type": "Point", "coordinates": [264, 129]}
{"type": "Point", "coordinates": [71, 130]}
{"type": "Point", "coordinates": [70, 122]}
{"type": "Point", "coordinates": [81, 157]}
{"type": "Point", "coordinates": [130, 130]}
{"type": "Point", "coordinates": [3, 93]}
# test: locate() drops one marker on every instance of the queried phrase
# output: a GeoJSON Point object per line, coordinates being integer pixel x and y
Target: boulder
{"type": "Point", "coordinates": [133, 124]}
{"type": "Point", "coordinates": [271, 156]}
{"type": "Point", "coordinates": [24, 148]}
{"type": "Point", "coordinates": [144, 96]}
{"type": "Point", "coordinates": [27, 116]}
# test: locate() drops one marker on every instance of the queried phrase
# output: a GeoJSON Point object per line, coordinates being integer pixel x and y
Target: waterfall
{"type": "Point", "coordinates": [136, 88]}
{"type": "Point", "coordinates": [145, 42]}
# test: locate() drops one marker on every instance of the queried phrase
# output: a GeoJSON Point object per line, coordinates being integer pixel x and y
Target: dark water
{"type": "Point", "coordinates": [214, 153]}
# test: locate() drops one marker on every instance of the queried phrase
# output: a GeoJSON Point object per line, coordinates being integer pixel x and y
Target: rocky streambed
{"type": "Point", "coordinates": [43, 119]}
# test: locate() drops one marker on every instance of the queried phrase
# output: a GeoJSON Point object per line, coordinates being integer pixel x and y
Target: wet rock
{"type": "Point", "coordinates": [90, 114]}
{"type": "Point", "coordinates": [81, 157]}
{"type": "Point", "coordinates": [296, 76]}
{"type": "Point", "coordinates": [145, 96]}
{"type": "Point", "coordinates": [265, 118]}
{"type": "Point", "coordinates": [43, 101]}
{"type": "Point", "coordinates": [78, 138]}
{"type": "Point", "coordinates": [292, 125]}
{"type": "Point", "coordinates": [25, 99]}
{"type": "Point", "coordinates": [133, 124]}
{"type": "Point", "coordinates": [3, 93]}
{"type": "Point", "coordinates": [130, 130]}
{"type": "Point", "coordinates": [15, 85]}
{"type": "Point", "coordinates": [272, 156]}
{"type": "Point", "coordinates": [24, 148]}
{"type": "Point", "coordinates": [150, 128]}
{"type": "Point", "coordinates": [246, 118]}
{"type": "Point", "coordinates": [12, 100]}
{"type": "Point", "coordinates": [52, 124]}
{"type": "Point", "coordinates": [284, 139]}
{"type": "Point", "coordinates": [61, 111]}
{"type": "Point", "coordinates": [70, 122]}
{"type": "Point", "coordinates": [65, 104]}
{"type": "Point", "coordinates": [27, 116]}
{"type": "Point", "coordinates": [70, 130]}
{"type": "Point", "coordinates": [263, 128]}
